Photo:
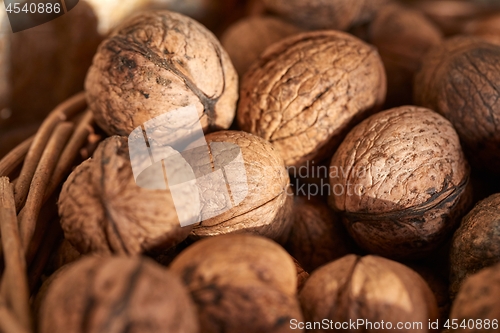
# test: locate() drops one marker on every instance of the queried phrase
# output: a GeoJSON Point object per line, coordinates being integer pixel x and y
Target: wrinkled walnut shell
{"type": "Point", "coordinates": [305, 92]}
{"type": "Point", "coordinates": [370, 288]}
{"type": "Point", "coordinates": [400, 180]}
{"type": "Point", "coordinates": [478, 298]}
{"type": "Point", "coordinates": [459, 79]}
{"type": "Point", "coordinates": [117, 295]}
{"type": "Point", "coordinates": [240, 281]}
{"type": "Point", "coordinates": [154, 63]}
{"type": "Point", "coordinates": [317, 236]}
{"type": "Point", "coordinates": [245, 40]}
{"type": "Point", "coordinates": [103, 210]}
{"type": "Point", "coordinates": [320, 14]}
{"type": "Point", "coordinates": [266, 209]}
{"type": "Point", "coordinates": [476, 243]}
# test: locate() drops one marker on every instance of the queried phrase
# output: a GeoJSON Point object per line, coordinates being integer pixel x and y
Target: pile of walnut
{"type": "Point", "coordinates": [357, 142]}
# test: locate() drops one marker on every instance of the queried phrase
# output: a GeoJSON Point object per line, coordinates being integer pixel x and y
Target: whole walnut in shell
{"type": "Point", "coordinates": [102, 209]}
{"type": "Point", "coordinates": [246, 39]}
{"type": "Point", "coordinates": [400, 179]}
{"type": "Point", "coordinates": [320, 14]}
{"type": "Point", "coordinates": [476, 243]}
{"type": "Point", "coordinates": [459, 79]}
{"type": "Point", "coordinates": [479, 300]}
{"type": "Point", "coordinates": [371, 288]}
{"type": "Point", "coordinates": [240, 283]}
{"type": "Point", "coordinates": [265, 206]}
{"type": "Point", "coordinates": [305, 92]}
{"type": "Point", "coordinates": [117, 294]}
{"type": "Point", "coordinates": [317, 236]}
{"type": "Point", "coordinates": [156, 62]}
{"type": "Point", "coordinates": [402, 37]}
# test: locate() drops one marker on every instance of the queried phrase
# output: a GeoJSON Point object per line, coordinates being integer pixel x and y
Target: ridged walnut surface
{"type": "Point", "coordinates": [401, 181]}
{"type": "Point", "coordinates": [476, 244]}
{"type": "Point", "coordinates": [103, 210]}
{"type": "Point", "coordinates": [460, 79]}
{"type": "Point", "coordinates": [115, 295]}
{"type": "Point", "coordinates": [240, 283]}
{"type": "Point", "coordinates": [370, 288]}
{"type": "Point", "coordinates": [156, 62]}
{"type": "Point", "coordinates": [307, 91]}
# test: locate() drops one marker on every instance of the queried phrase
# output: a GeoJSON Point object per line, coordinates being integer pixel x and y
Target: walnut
{"type": "Point", "coordinates": [487, 27]}
{"type": "Point", "coordinates": [240, 281]}
{"type": "Point", "coordinates": [302, 275]}
{"type": "Point", "coordinates": [246, 39]}
{"type": "Point", "coordinates": [267, 203]}
{"type": "Point", "coordinates": [402, 37]}
{"type": "Point", "coordinates": [317, 236]}
{"type": "Point", "coordinates": [476, 243]}
{"type": "Point", "coordinates": [320, 14]}
{"type": "Point", "coordinates": [479, 298]}
{"type": "Point", "coordinates": [370, 288]}
{"type": "Point", "coordinates": [103, 210]}
{"type": "Point", "coordinates": [458, 79]}
{"type": "Point", "coordinates": [156, 62]}
{"type": "Point", "coordinates": [117, 294]}
{"type": "Point", "coordinates": [305, 92]}
{"type": "Point", "coordinates": [400, 180]}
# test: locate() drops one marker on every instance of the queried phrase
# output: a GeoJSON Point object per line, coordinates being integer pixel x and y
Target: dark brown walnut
{"type": "Point", "coordinates": [156, 62]}
{"type": "Point", "coordinates": [117, 294]}
{"type": "Point", "coordinates": [479, 300]}
{"type": "Point", "coordinates": [400, 180]}
{"type": "Point", "coordinates": [402, 37]}
{"type": "Point", "coordinates": [318, 235]}
{"type": "Point", "coordinates": [320, 14]}
{"type": "Point", "coordinates": [246, 39]}
{"type": "Point", "coordinates": [240, 281]}
{"type": "Point", "coordinates": [476, 243]}
{"type": "Point", "coordinates": [305, 92]}
{"type": "Point", "coordinates": [102, 209]}
{"type": "Point", "coordinates": [266, 207]}
{"type": "Point", "coordinates": [368, 288]}
{"type": "Point", "coordinates": [459, 79]}
{"type": "Point", "coordinates": [42, 66]}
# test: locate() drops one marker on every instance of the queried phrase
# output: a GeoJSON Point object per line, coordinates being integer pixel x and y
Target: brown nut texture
{"type": "Point", "coordinates": [402, 37]}
{"type": "Point", "coordinates": [476, 243]}
{"type": "Point", "coordinates": [487, 27]}
{"type": "Point", "coordinates": [240, 281]}
{"type": "Point", "coordinates": [156, 62]}
{"type": "Point", "coordinates": [246, 39]}
{"type": "Point", "coordinates": [318, 235]}
{"type": "Point", "coordinates": [400, 180]}
{"type": "Point", "coordinates": [103, 210]}
{"type": "Point", "coordinates": [320, 14]}
{"type": "Point", "coordinates": [370, 288]}
{"type": "Point", "coordinates": [117, 294]}
{"type": "Point", "coordinates": [459, 79]}
{"type": "Point", "coordinates": [305, 92]}
{"type": "Point", "coordinates": [266, 207]}
{"type": "Point", "coordinates": [478, 300]}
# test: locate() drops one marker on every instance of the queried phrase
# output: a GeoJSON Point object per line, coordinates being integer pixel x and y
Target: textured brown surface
{"type": "Point", "coordinates": [103, 210]}
{"type": "Point", "coordinates": [460, 80]}
{"type": "Point", "coordinates": [117, 295]}
{"type": "Point", "coordinates": [317, 235]}
{"type": "Point", "coordinates": [370, 288]}
{"type": "Point", "coordinates": [246, 39]}
{"type": "Point", "coordinates": [240, 283]}
{"type": "Point", "coordinates": [479, 298]}
{"type": "Point", "coordinates": [407, 177]}
{"type": "Point", "coordinates": [305, 92]}
{"type": "Point", "coordinates": [266, 209]}
{"type": "Point", "coordinates": [325, 14]}
{"type": "Point", "coordinates": [476, 243]}
{"type": "Point", "coordinates": [156, 62]}
{"type": "Point", "coordinates": [402, 37]}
